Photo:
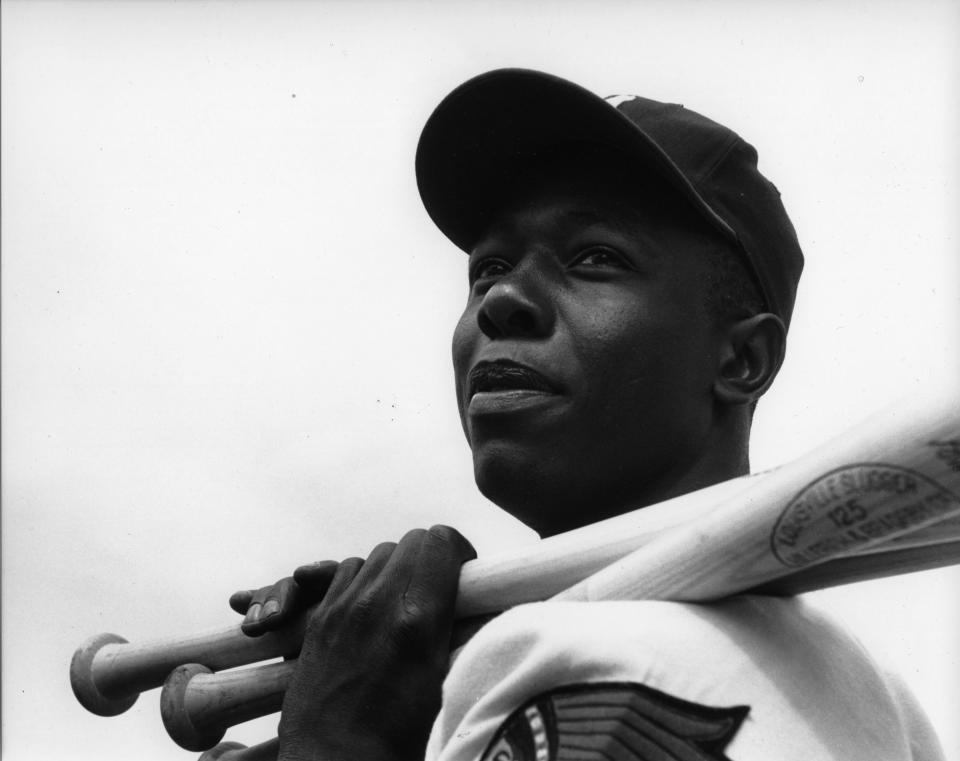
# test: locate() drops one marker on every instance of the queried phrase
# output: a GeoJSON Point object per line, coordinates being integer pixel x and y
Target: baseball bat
{"type": "Point", "coordinates": [896, 477]}
{"type": "Point", "coordinates": [198, 707]}
{"type": "Point", "coordinates": [895, 489]}
{"type": "Point", "coordinates": [831, 573]}
{"type": "Point", "coordinates": [107, 673]}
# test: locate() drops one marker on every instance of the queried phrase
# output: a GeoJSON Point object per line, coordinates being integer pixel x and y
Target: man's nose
{"type": "Point", "coordinates": [517, 306]}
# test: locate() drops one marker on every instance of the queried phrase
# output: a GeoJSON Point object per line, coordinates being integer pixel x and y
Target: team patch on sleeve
{"type": "Point", "coordinates": [615, 722]}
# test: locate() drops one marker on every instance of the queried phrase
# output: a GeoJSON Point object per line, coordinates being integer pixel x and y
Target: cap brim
{"type": "Point", "coordinates": [473, 141]}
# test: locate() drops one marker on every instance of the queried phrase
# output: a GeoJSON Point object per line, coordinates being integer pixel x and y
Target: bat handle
{"type": "Point", "coordinates": [108, 673]}
{"type": "Point", "coordinates": [234, 751]}
{"type": "Point", "coordinates": [198, 706]}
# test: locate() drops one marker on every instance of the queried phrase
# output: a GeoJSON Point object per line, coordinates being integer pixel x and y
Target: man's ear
{"type": "Point", "coordinates": [750, 358]}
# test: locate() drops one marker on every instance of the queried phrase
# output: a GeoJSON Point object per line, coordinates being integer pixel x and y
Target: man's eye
{"type": "Point", "coordinates": [487, 268]}
{"type": "Point", "coordinates": [601, 257]}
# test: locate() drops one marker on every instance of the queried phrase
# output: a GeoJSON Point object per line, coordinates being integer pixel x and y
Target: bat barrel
{"type": "Point", "coordinates": [886, 478]}
{"type": "Point", "coordinates": [198, 706]}
{"type": "Point", "coordinates": [937, 553]}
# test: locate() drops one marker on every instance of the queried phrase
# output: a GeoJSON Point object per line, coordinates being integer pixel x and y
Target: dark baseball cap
{"type": "Point", "coordinates": [478, 135]}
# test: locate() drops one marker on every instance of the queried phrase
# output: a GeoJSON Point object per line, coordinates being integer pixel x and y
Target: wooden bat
{"type": "Point", "coordinates": [198, 706]}
{"type": "Point", "coordinates": [891, 476]}
{"type": "Point", "coordinates": [863, 567]}
{"type": "Point", "coordinates": [891, 508]}
{"type": "Point", "coordinates": [108, 673]}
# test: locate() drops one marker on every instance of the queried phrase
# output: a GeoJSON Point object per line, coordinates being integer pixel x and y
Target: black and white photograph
{"type": "Point", "coordinates": [480, 381]}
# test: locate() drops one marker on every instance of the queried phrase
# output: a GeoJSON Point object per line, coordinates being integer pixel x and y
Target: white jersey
{"type": "Point", "coordinates": [748, 679]}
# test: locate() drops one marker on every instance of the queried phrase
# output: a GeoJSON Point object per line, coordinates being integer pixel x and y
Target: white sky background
{"type": "Point", "coordinates": [226, 316]}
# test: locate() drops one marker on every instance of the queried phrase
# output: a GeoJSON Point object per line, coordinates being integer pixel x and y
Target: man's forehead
{"type": "Point", "coordinates": [557, 214]}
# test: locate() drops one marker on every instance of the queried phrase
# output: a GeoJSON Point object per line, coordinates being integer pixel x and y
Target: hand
{"type": "Point", "coordinates": [375, 653]}
{"type": "Point", "coordinates": [274, 606]}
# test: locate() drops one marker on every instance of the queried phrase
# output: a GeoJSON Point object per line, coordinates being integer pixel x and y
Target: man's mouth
{"type": "Point", "coordinates": [503, 376]}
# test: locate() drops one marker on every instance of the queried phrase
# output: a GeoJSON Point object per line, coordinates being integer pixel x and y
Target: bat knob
{"type": "Point", "coordinates": [177, 716]}
{"type": "Point", "coordinates": [84, 683]}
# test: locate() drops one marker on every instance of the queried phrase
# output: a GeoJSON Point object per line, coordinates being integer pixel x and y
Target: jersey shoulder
{"type": "Point", "coordinates": [751, 677]}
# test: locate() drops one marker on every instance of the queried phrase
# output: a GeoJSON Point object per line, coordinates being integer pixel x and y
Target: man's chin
{"type": "Point", "coordinates": [530, 488]}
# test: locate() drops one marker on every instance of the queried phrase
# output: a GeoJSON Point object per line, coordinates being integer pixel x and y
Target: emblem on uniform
{"type": "Point", "coordinates": [622, 721]}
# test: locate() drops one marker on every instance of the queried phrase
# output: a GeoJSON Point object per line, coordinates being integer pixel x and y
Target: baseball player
{"type": "Point", "coordinates": [632, 277]}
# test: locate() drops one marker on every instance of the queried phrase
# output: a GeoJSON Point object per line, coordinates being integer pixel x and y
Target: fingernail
{"type": "Point", "coordinates": [253, 613]}
{"type": "Point", "coordinates": [270, 608]}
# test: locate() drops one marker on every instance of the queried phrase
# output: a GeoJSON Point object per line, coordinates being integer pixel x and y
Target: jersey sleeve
{"type": "Point", "coordinates": [748, 679]}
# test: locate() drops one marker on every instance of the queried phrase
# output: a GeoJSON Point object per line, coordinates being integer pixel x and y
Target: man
{"type": "Point", "coordinates": [632, 277]}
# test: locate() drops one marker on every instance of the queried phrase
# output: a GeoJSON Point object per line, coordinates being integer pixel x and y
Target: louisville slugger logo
{"type": "Point", "coordinates": [616, 721]}
{"type": "Point", "coordinates": [853, 506]}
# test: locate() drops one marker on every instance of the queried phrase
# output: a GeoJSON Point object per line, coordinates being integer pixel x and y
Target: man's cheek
{"type": "Point", "coordinates": [462, 347]}
{"type": "Point", "coordinates": [463, 340]}
{"type": "Point", "coordinates": [465, 333]}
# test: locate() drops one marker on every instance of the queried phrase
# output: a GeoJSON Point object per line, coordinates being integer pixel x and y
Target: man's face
{"type": "Point", "coordinates": [585, 357]}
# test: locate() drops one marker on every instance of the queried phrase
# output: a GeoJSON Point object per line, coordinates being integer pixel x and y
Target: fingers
{"type": "Point", "coordinates": [374, 565]}
{"type": "Point", "coordinates": [270, 607]}
{"type": "Point", "coordinates": [416, 578]}
{"type": "Point", "coordinates": [420, 573]}
{"type": "Point", "coordinates": [240, 601]}
{"type": "Point", "coordinates": [274, 606]}
{"type": "Point", "coordinates": [314, 579]}
{"type": "Point", "coordinates": [411, 596]}
{"type": "Point", "coordinates": [455, 539]}
{"type": "Point", "coordinates": [415, 572]}
{"type": "Point", "coordinates": [352, 577]}
{"type": "Point", "coordinates": [377, 646]}
{"type": "Point", "coordinates": [344, 575]}
{"type": "Point", "coordinates": [343, 578]}
{"type": "Point", "coordinates": [435, 578]}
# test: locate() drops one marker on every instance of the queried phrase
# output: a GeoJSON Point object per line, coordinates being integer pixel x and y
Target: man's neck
{"type": "Point", "coordinates": [722, 458]}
